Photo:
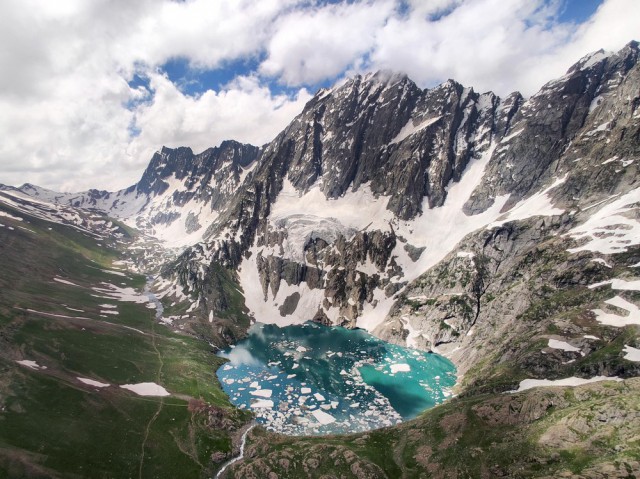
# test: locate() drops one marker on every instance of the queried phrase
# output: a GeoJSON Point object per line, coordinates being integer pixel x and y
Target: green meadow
{"type": "Point", "coordinates": [52, 424]}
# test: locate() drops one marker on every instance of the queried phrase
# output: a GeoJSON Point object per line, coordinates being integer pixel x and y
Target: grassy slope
{"type": "Point", "coordinates": [538, 433]}
{"type": "Point", "coordinates": [52, 425]}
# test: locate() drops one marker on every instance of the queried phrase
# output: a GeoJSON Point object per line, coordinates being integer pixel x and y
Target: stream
{"type": "Point", "coordinates": [152, 297]}
{"type": "Point", "coordinates": [239, 456]}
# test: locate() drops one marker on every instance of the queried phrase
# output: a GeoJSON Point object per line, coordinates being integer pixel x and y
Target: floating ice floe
{"type": "Point", "coordinates": [322, 417]}
{"type": "Point", "coordinates": [265, 393]}
{"type": "Point", "coordinates": [262, 403]}
{"type": "Point", "coordinates": [400, 368]}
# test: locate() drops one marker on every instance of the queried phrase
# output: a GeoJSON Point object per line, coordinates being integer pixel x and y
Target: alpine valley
{"type": "Point", "coordinates": [500, 233]}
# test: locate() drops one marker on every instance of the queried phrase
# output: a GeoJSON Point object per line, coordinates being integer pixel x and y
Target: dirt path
{"type": "Point", "coordinates": [160, 404]}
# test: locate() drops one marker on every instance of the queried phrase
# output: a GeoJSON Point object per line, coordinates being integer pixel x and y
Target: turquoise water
{"type": "Point", "coordinates": [313, 379]}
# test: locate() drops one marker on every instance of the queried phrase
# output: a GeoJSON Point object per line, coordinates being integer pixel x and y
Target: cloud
{"type": "Point", "coordinates": [204, 31]}
{"type": "Point", "coordinates": [244, 110]}
{"type": "Point", "coordinates": [497, 45]}
{"type": "Point", "coordinates": [70, 119]}
{"type": "Point", "coordinates": [239, 356]}
{"type": "Point", "coordinates": [65, 99]}
{"type": "Point", "coordinates": [492, 38]}
{"type": "Point", "coordinates": [309, 46]}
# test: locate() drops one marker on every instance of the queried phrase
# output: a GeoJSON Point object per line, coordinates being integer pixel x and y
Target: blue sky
{"type": "Point", "coordinates": [97, 87]}
{"type": "Point", "coordinates": [578, 11]}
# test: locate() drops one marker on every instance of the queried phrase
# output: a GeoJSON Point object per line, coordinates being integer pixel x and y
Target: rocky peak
{"type": "Point", "coordinates": [384, 123]}
{"type": "Point", "coordinates": [184, 165]}
{"type": "Point", "coordinates": [564, 112]}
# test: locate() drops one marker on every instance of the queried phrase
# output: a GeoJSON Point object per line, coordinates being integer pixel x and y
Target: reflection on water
{"type": "Point", "coordinates": [312, 379]}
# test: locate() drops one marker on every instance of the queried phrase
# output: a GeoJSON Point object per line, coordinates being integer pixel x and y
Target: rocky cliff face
{"type": "Point", "coordinates": [563, 124]}
{"type": "Point", "coordinates": [376, 181]}
{"type": "Point", "coordinates": [546, 297]}
{"type": "Point", "coordinates": [317, 213]}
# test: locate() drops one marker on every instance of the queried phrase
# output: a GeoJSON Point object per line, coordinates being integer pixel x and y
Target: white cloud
{"type": "Point", "coordinates": [204, 31]}
{"type": "Point", "coordinates": [497, 45]}
{"type": "Point", "coordinates": [64, 92]}
{"type": "Point", "coordinates": [65, 100]}
{"type": "Point", "coordinates": [431, 7]}
{"type": "Point", "coordinates": [310, 46]}
{"type": "Point", "coordinates": [613, 25]}
{"type": "Point", "coordinates": [245, 111]}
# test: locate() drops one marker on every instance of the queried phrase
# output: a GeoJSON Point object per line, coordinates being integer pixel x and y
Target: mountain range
{"type": "Point", "coordinates": [502, 233]}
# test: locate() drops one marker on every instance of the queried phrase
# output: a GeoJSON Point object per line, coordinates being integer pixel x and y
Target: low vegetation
{"type": "Point", "coordinates": [54, 425]}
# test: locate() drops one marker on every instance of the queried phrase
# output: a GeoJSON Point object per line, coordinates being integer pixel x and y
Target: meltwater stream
{"type": "Point", "coordinates": [313, 379]}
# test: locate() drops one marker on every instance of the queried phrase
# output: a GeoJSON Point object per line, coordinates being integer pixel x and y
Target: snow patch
{"type": "Point", "coordinates": [632, 354]}
{"type": "Point", "coordinates": [612, 229]}
{"type": "Point", "coordinates": [64, 281]}
{"type": "Point", "coordinates": [619, 284]}
{"type": "Point", "coordinates": [146, 389]}
{"type": "Point", "coordinates": [563, 345]}
{"type": "Point", "coordinates": [410, 129]}
{"type": "Point", "coordinates": [594, 58]}
{"type": "Point", "coordinates": [612, 319]}
{"type": "Point", "coordinates": [111, 291]}
{"type": "Point", "coordinates": [538, 204]}
{"type": "Point", "coordinates": [30, 364]}
{"type": "Point", "coordinates": [512, 135]}
{"type": "Point", "coordinates": [572, 381]}
{"type": "Point", "coordinates": [267, 311]}
{"type": "Point", "coordinates": [92, 382]}
{"type": "Point", "coordinates": [10, 216]}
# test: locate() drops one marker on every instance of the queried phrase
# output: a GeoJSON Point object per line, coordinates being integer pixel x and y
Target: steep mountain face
{"type": "Point", "coordinates": [178, 196]}
{"type": "Point", "coordinates": [510, 291]}
{"type": "Point", "coordinates": [376, 181]}
{"type": "Point", "coordinates": [321, 211]}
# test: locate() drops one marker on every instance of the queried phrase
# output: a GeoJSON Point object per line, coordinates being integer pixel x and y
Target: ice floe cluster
{"type": "Point", "coordinates": [315, 387]}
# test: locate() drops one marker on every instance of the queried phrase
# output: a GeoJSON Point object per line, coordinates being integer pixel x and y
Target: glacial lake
{"type": "Point", "coordinates": [313, 379]}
